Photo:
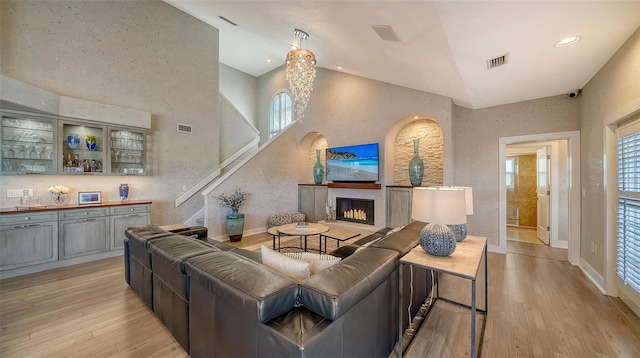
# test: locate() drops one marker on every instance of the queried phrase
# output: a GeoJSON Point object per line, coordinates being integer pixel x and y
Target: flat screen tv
{"type": "Point", "coordinates": [355, 163]}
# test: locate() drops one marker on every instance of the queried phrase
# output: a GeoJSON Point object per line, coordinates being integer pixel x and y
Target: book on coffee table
{"type": "Point", "coordinates": [303, 226]}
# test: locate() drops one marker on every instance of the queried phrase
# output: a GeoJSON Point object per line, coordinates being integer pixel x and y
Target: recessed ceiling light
{"type": "Point", "coordinates": [567, 41]}
{"type": "Point", "coordinates": [339, 67]}
{"type": "Point", "coordinates": [268, 60]}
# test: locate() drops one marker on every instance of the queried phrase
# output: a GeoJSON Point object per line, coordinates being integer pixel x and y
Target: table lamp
{"type": "Point", "coordinates": [460, 231]}
{"type": "Point", "coordinates": [439, 207]}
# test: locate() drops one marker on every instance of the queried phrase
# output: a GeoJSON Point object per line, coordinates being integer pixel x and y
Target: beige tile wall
{"type": "Point", "coordinates": [523, 193]}
{"type": "Point", "coordinates": [430, 150]}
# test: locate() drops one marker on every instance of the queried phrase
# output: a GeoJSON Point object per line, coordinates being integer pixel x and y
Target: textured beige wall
{"type": "Point", "coordinates": [144, 55]}
{"type": "Point", "coordinates": [614, 87]}
{"type": "Point", "coordinates": [348, 110]}
{"type": "Point", "coordinates": [241, 89]}
{"type": "Point", "coordinates": [477, 134]}
{"type": "Point", "coordinates": [430, 150]}
{"type": "Point", "coordinates": [271, 179]}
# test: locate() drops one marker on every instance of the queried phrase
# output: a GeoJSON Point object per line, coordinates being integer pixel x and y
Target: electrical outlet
{"type": "Point", "coordinates": [17, 193]}
{"type": "Point", "coordinates": [593, 247]}
{"type": "Point", "coordinates": [595, 251]}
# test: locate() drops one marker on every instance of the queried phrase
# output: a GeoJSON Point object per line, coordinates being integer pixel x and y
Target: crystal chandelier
{"type": "Point", "coordinates": [301, 71]}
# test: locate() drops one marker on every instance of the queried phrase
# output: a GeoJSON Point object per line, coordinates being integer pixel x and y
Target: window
{"type": "Point", "coordinates": [628, 267]}
{"type": "Point", "coordinates": [280, 113]}
{"type": "Point", "coordinates": [511, 172]}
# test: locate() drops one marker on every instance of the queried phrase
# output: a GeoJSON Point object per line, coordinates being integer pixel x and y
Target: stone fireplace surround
{"type": "Point", "coordinates": [356, 207]}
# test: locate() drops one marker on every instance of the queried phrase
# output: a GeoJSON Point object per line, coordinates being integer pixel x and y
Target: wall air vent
{"type": "Point", "coordinates": [498, 61]}
{"type": "Point", "coordinates": [185, 128]}
{"type": "Point", "coordinates": [386, 32]}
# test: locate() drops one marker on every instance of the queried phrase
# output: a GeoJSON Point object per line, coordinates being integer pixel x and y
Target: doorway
{"type": "Point", "coordinates": [528, 193]}
{"type": "Point", "coordinates": [564, 212]}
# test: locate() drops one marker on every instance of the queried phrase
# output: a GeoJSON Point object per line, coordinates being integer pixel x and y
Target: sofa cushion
{"type": "Point", "coordinates": [317, 262]}
{"type": "Point", "coordinates": [332, 292]}
{"type": "Point", "coordinates": [292, 267]}
{"type": "Point", "coordinates": [402, 241]}
{"type": "Point", "coordinates": [174, 250]}
{"type": "Point", "coordinates": [249, 286]}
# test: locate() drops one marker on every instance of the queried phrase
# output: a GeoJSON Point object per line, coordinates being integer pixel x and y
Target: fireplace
{"type": "Point", "coordinates": [355, 210]}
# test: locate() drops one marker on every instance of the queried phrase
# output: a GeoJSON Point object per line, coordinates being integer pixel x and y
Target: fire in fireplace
{"type": "Point", "coordinates": [355, 210]}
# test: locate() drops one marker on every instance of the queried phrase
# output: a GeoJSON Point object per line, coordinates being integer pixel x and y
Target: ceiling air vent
{"type": "Point", "coordinates": [227, 20]}
{"type": "Point", "coordinates": [386, 32]}
{"type": "Point", "coordinates": [184, 128]}
{"type": "Point", "coordinates": [498, 61]}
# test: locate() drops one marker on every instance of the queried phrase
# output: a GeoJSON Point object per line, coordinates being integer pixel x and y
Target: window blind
{"type": "Point", "coordinates": [628, 267]}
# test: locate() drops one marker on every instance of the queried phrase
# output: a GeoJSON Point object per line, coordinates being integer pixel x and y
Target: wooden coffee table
{"type": "Point", "coordinates": [292, 230]}
{"type": "Point", "coordinates": [337, 234]}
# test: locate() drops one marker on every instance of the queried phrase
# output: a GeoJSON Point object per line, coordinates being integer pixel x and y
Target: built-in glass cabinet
{"type": "Point", "coordinates": [28, 145]}
{"type": "Point", "coordinates": [44, 144]}
{"type": "Point", "coordinates": [82, 147]}
{"type": "Point", "coordinates": [127, 151]}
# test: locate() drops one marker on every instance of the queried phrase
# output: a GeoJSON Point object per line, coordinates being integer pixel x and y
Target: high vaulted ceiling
{"type": "Point", "coordinates": [443, 46]}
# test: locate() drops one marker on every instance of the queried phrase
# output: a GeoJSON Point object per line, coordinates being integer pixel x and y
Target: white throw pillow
{"type": "Point", "coordinates": [317, 262]}
{"type": "Point", "coordinates": [296, 269]}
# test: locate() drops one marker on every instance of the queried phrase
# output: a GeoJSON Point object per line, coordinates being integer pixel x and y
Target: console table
{"type": "Point", "coordinates": [464, 262]}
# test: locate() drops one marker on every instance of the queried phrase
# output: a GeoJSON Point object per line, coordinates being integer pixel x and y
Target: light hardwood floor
{"type": "Point", "coordinates": [538, 307]}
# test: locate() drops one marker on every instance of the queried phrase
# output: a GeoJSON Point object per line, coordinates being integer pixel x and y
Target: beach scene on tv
{"type": "Point", "coordinates": [358, 163]}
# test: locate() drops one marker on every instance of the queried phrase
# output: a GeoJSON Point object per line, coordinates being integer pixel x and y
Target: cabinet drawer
{"type": "Point", "coordinates": [27, 218]}
{"type": "Point", "coordinates": [130, 209]}
{"type": "Point", "coordinates": [83, 213]}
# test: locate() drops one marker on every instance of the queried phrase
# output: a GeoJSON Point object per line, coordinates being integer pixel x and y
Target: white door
{"type": "Point", "coordinates": [542, 194]}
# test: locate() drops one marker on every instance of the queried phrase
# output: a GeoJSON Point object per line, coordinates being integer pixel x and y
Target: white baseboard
{"type": "Point", "coordinates": [223, 238]}
{"type": "Point", "coordinates": [592, 275]}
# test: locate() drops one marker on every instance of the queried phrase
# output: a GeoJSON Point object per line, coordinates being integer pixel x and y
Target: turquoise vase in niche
{"type": "Point", "coordinates": [318, 170]}
{"type": "Point", "coordinates": [416, 166]}
{"type": "Point", "coordinates": [235, 225]}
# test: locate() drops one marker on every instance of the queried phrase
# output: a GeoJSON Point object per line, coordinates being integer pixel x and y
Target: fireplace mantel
{"type": "Point", "coordinates": [373, 186]}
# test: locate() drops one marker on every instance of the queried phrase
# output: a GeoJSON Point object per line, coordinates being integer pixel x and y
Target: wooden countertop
{"type": "Point", "coordinates": [52, 207]}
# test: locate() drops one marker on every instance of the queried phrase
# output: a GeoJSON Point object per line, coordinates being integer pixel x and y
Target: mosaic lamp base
{"type": "Point", "coordinates": [438, 240]}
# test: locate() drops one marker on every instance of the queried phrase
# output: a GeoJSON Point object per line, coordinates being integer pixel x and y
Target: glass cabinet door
{"type": "Point", "coordinates": [127, 152]}
{"type": "Point", "coordinates": [28, 144]}
{"type": "Point", "coordinates": [83, 148]}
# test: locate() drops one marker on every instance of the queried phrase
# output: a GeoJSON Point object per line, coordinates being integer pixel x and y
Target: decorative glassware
{"type": "Point", "coordinates": [91, 142]}
{"type": "Point", "coordinates": [73, 140]}
{"type": "Point", "coordinates": [6, 150]}
{"type": "Point", "coordinates": [318, 170]}
{"type": "Point", "coordinates": [38, 149]}
{"type": "Point", "coordinates": [124, 191]}
{"type": "Point", "coordinates": [416, 166]}
{"type": "Point", "coordinates": [58, 198]}
{"type": "Point", "coordinates": [28, 149]}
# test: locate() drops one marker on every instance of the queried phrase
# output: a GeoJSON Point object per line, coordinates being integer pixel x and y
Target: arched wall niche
{"type": "Point", "coordinates": [311, 142]}
{"type": "Point", "coordinates": [399, 150]}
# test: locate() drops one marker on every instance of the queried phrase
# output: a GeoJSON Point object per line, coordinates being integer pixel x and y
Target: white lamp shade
{"type": "Point", "coordinates": [468, 194]}
{"type": "Point", "coordinates": [439, 205]}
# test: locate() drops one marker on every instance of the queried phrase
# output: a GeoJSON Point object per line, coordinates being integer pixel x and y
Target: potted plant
{"type": "Point", "coordinates": [235, 220]}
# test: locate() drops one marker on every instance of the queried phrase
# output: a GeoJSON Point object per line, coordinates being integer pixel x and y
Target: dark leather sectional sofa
{"type": "Point", "coordinates": [219, 301]}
